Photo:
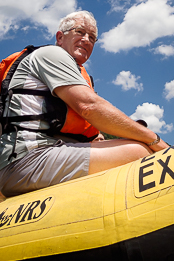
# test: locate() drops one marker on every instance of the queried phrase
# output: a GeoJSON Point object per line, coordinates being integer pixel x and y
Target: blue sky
{"type": "Point", "coordinates": [132, 63]}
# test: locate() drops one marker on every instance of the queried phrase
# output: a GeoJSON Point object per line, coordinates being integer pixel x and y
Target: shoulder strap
{"type": "Point", "coordinates": [9, 65]}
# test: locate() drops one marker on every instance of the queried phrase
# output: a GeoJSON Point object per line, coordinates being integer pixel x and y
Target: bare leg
{"type": "Point", "coordinates": [112, 153]}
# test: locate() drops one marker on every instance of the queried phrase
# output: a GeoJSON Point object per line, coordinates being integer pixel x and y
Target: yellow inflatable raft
{"type": "Point", "coordinates": [126, 213]}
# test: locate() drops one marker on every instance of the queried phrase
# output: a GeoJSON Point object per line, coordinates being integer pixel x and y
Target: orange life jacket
{"type": "Point", "coordinates": [75, 123]}
{"type": "Point", "coordinates": [66, 121]}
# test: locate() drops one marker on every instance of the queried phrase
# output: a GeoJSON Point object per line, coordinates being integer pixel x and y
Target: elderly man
{"type": "Point", "coordinates": [49, 152]}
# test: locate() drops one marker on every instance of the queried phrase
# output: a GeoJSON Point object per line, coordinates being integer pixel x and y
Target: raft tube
{"type": "Point", "coordinates": [125, 213]}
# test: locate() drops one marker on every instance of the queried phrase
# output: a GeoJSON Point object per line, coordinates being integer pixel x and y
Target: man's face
{"type": "Point", "coordinates": [79, 47]}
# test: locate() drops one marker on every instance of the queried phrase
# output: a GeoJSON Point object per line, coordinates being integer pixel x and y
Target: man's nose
{"type": "Point", "coordinates": [86, 37]}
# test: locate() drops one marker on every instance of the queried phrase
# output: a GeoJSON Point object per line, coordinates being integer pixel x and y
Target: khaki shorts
{"type": "Point", "coordinates": [45, 166]}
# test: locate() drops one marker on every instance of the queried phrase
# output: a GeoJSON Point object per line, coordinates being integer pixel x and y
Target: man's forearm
{"type": "Point", "coordinates": [104, 116]}
{"type": "Point", "coordinates": [111, 120]}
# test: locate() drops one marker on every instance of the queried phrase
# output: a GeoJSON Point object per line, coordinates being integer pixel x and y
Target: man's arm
{"type": "Point", "coordinates": [104, 116]}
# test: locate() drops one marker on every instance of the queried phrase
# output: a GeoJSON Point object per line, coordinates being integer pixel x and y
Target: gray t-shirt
{"type": "Point", "coordinates": [46, 68]}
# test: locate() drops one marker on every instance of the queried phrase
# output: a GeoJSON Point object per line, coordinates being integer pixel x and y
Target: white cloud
{"type": "Point", "coordinates": [118, 5]}
{"type": "Point", "coordinates": [153, 115]}
{"type": "Point", "coordinates": [169, 90]}
{"type": "Point", "coordinates": [128, 81]}
{"type": "Point", "coordinates": [166, 50]}
{"type": "Point", "coordinates": [25, 28]}
{"type": "Point", "coordinates": [45, 13]}
{"type": "Point", "coordinates": [143, 23]}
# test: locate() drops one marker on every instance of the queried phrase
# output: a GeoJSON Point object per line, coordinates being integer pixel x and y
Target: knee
{"type": "Point", "coordinates": [141, 150]}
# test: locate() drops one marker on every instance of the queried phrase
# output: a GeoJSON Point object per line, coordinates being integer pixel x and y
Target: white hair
{"type": "Point", "coordinates": [69, 21]}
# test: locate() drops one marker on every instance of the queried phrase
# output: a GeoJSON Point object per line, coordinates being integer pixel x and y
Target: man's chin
{"type": "Point", "coordinates": [81, 59]}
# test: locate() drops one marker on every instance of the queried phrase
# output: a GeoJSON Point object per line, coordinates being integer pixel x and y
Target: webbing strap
{"type": "Point", "coordinates": [19, 118]}
{"type": "Point", "coordinates": [8, 119]}
{"type": "Point", "coordinates": [31, 92]}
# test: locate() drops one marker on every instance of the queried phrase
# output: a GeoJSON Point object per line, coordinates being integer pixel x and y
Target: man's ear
{"type": "Point", "coordinates": [59, 36]}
